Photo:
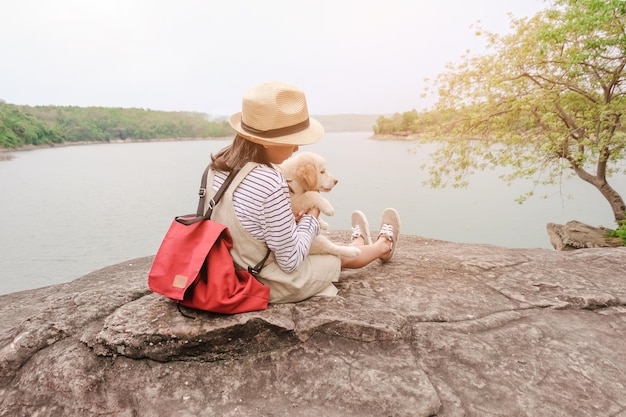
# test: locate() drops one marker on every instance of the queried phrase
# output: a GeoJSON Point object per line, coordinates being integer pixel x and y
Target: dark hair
{"type": "Point", "coordinates": [237, 154]}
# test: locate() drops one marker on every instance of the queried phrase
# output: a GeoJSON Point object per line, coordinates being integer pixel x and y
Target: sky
{"type": "Point", "coordinates": [349, 56]}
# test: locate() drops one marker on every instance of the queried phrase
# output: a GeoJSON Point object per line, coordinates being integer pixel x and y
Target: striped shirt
{"type": "Point", "coordinates": [263, 208]}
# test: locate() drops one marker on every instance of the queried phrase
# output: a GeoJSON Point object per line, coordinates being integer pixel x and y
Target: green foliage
{"type": "Point", "coordinates": [547, 100]}
{"type": "Point", "coordinates": [620, 232]}
{"type": "Point", "coordinates": [18, 128]}
{"type": "Point", "coordinates": [24, 125]}
{"type": "Point", "coordinates": [411, 122]}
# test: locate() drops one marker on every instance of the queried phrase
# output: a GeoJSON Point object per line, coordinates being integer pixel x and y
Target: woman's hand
{"type": "Point", "coordinates": [313, 211]}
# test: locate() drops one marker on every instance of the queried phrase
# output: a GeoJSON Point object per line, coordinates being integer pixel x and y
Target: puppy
{"type": "Point", "coordinates": [307, 177]}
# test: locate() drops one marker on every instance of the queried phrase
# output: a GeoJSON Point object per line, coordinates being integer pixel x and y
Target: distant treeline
{"type": "Point", "coordinates": [411, 122]}
{"type": "Point", "coordinates": [423, 123]}
{"type": "Point", "coordinates": [40, 125]}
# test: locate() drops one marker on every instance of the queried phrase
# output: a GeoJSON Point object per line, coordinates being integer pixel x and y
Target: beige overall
{"type": "Point", "coordinates": [314, 276]}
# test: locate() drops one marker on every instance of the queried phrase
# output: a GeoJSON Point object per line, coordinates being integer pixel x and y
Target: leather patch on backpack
{"type": "Point", "coordinates": [180, 281]}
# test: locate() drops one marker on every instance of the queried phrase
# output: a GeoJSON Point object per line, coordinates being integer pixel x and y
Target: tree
{"type": "Point", "coordinates": [546, 100]}
{"type": "Point", "coordinates": [18, 128]}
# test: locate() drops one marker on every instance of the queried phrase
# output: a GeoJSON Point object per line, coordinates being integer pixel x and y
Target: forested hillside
{"type": "Point", "coordinates": [40, 125]}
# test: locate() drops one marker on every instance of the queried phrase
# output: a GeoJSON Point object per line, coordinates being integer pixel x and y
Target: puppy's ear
{"type": "Point", "coordinates": [307, 173]}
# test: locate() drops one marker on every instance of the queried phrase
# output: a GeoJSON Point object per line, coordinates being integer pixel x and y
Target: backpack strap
{"type": "Point", "coordinates": [190, 219]}
{"type": "Point", "coordinates": [213, 202]}
{"type": "Point", "coordinates": [254, 270]}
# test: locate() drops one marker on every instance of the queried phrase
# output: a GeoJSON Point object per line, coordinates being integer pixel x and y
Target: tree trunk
{"type": "Point", "coordinates": [614, 199]}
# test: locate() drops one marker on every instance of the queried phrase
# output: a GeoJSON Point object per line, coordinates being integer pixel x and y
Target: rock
{"type": "Point", "coordinates": [576, 235]}
{"type": "Point", "coordinates": [446, 329]}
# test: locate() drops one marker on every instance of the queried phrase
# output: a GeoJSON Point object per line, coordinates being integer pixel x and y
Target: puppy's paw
{"type": "Point", "coordinates": [350, 251]}
{"type": "Point", "coordinates": [327, 208]}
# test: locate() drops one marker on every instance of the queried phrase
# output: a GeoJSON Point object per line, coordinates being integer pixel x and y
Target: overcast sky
{"type": "Point", "coordinates": [350, 56]}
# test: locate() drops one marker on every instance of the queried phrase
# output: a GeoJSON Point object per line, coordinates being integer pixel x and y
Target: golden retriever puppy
{"type": "Point", "coordinates": [307, 177]}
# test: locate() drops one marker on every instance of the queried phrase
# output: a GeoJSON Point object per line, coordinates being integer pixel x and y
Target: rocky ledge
{"type": "Point", "coordinates": [446, 329]}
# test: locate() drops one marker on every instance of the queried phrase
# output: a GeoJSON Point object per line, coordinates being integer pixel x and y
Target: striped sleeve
{"type": "Point", "coordinates": [263, 208]}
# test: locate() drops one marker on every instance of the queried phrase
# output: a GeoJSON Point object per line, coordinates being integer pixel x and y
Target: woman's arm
{"type": "Point", "coordinates": [290, 241]}
{"type": "Point", "coordinates": [263, 208]}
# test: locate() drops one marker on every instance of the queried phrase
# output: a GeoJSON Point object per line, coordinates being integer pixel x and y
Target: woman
{"type": "Point", "coordinates": [273, 123]}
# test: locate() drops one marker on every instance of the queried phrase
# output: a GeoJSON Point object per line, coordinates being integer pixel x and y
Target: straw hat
{"type": "Point", "coordinates": [275, 113]}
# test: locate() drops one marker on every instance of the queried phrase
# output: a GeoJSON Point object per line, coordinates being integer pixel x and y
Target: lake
{"type": "Point", "coordinates": [68, 211]}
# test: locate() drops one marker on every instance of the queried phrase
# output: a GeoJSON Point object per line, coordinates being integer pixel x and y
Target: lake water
{"type": "Point", "coordinates": [65, 212]}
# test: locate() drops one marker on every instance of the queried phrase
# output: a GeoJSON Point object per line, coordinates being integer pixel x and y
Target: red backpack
{"type": "Point", "coordinates": [193, 265]}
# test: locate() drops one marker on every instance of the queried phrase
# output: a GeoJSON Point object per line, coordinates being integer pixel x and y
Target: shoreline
{"type": "Point", "coordinates": [402, 137]}
{"type": "Point", "coordinates": [5, 153]}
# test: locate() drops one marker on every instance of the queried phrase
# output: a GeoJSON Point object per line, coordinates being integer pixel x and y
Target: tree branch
{"type": "Point", "coordinates": [575, 131]}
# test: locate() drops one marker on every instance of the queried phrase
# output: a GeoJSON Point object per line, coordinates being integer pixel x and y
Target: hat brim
{"type": "Point", "coordinates": [313, 133]}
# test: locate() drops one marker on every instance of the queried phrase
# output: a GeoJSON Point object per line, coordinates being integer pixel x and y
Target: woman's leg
{"type": "Point", "coordinates": [382, 248]}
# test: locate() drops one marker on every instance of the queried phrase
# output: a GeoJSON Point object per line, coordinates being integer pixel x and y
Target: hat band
{"type": "Point", "coordinates": [274, 133]}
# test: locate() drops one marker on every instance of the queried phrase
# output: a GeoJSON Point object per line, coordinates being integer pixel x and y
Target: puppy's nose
{"type": "Point", "coordinates": [336, 181]}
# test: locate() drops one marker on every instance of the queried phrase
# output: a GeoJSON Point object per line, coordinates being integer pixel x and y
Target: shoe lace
{"type": "Point", "coordinates": [356, 232]}
{"type": "Point", "coordinates": [386, 230]}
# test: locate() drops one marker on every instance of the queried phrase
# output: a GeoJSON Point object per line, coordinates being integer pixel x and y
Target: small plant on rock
{"type": "Point", "coordinates": [620, 232]}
